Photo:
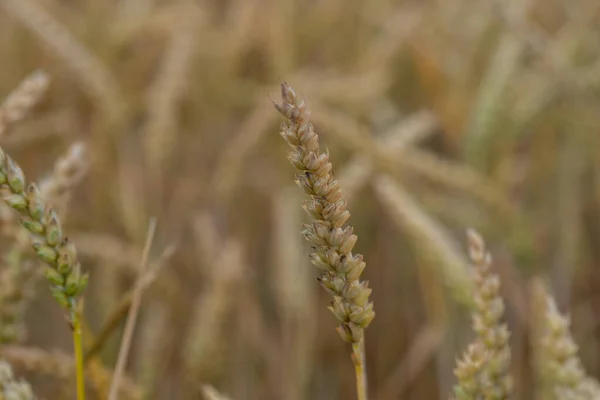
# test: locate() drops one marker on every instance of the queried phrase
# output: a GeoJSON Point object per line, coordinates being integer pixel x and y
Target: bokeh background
{"type": "Point", "coordinates": [439, 116]}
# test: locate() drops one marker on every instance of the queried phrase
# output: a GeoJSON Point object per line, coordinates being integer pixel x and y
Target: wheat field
{"type": "Point", "coordinates": [152, 233]}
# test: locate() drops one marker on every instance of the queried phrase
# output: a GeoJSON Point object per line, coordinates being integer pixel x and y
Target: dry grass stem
{"type": "Point", "coordinates": [123, 307]}
{"type": "Point", "coordinates": [132, 315]}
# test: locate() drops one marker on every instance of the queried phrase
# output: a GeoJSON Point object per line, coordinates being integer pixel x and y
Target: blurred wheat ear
{"type": "Point", "coordinates": [11, 388]}
{"type": "Point", "coordinates": [332, 242]}
{"type": "Point", "coordinates": [559, 370]}
{"type": "Point", "coordinates": [483, 371]}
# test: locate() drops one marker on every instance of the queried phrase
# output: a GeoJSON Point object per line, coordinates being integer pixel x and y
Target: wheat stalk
{"type": "Point", "coordinates": [332, 242]}
{"type": "Point", "coordinates": [63, 271]}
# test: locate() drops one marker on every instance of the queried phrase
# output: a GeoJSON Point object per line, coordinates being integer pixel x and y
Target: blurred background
{"type": "Point", "coordinates": [439, 116]}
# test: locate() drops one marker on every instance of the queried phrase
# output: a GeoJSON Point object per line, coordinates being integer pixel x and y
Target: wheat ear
{"type": "Point", "coordinates": [483, 371]}
{"type": "Point", "coordinates": [558, 365]}
{"type": "Point", "coordinates": [332, 243]}
{"type": "Point", "coordinates": [20, 275]}
{"type": "Point", "coordinates": [63, 271]}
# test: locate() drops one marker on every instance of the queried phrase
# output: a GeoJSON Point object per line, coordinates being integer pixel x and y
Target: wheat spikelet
{"type": "Point", "coordinates": [467, 370]}
{"type": "Point", "coordinates": [487, 316]}
{"type": "Point", "coordinates": [10, 388]}
{"type": "Point", "coordinates": [169, 86]}
{"type": "Point", "coordinates": [18, 103]}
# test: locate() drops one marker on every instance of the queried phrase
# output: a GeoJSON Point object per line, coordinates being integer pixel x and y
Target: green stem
{"type": "Point", "coordinates": [77, 343]}
{"type": "Point", "coordinates": [358, 356]}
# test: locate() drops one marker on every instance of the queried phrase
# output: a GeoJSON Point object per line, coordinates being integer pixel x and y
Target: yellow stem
{"type": "Point", "coordinates": [77, 343]}
{"type": "Point", "coordinates": [358, 356]}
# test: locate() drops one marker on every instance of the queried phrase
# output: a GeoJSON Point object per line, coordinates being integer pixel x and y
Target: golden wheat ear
{"type": "Point", "coordinates": [332, 241]}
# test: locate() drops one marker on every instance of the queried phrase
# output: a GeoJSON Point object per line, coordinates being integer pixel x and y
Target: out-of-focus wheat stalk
{"type": "Point", "coordinates": [89, 69]}
{"type": "Point", "coordinates": [426, 344]}
{"type": "Point", "coordinates": [428, 237]}
{"type": "Point", "coordinates": [252, 129]}
{"type": "Point", "coordinates": [332, 243]}
{"type": "Point", "coordinates": [169, 85]}
{"type": "Point", "coordinates": [121, 310]}
{"type": "Point", "coordinates": [18, 103]}
{"type": "Point", "coordinates": [418, 162]}
{"type": "Point", "coordinates": [226, 267]}
{"type": "Point", "coordinates": [155, 337]}
{"type": "Point", "coordinates": [293, 286]}
{"type": "Point", "coordinates": [357, 172]}
{"type": "Point", "coordinates": [492, 97]}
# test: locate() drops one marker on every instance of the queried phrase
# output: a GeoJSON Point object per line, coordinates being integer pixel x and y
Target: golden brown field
{"type": "Point", "coordinates": [150, 131]}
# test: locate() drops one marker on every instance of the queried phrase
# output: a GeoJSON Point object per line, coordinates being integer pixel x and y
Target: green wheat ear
{"type": "Point", "coordinates": [49, 242]}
